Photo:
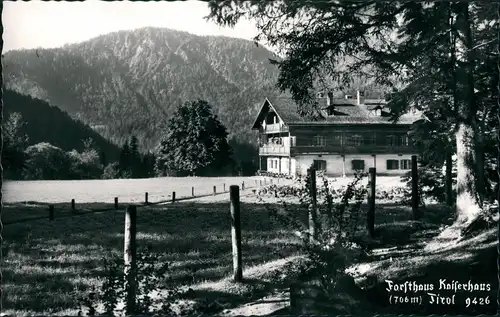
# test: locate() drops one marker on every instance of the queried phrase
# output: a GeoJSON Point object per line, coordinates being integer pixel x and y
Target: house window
{"type": "Point", "coordinates": [319, 140]}
{"type": "Point", "coordinates": [273, 164]}
{"type": "Point", "coordinates": [356, 140]}
{"type": "Point", "coordinates": [319, 165]}
{"type": "Point", "coordinates": [391, 140]}
{"type": "Point", "coordinates": [337, 139]}
{"type": "Point", "coordinates": [403, 140]}
{"type": "Point", "coordinates": [392, 164]}
{"type": "Point", "coordinates": [358, 165]}
{"type": "Point", "coordinates": [406, 164]}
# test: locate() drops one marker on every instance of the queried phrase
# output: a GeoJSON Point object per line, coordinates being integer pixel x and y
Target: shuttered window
{"type": "Point", "coordinates": [358, 165]}
{"type": "Point", "coordinates": [406, 164]}
{"type": "Point", "coordinates": [392, 164]}
{"type": "Point", "coordinates": [319, 165]}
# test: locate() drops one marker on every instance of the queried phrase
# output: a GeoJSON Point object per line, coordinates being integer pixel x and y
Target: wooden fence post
{"type": "Point", "coordinates": [236, 232]}
{"type": "Point", "coordinates": [51, 212]}
{"type": "Point", "coordinates": [173, 197]}
{"type": "Point", "coordinates": [215, 190]}
{"type": "Point", "coordinates": [313, 210]}
{"type": "Point", "coordinates": [370, 216]}
{"type": "Point", "coordinates": [243, 186]}
{"type": "Point", "coordinates": [192, 191]}
{"type": "Point", "coordinates": [260, 182]}
{"type": "Point", "coordinates": [293, 297]}
{"type": "Point", "coordinates": [130, 254]}
{"type": "Point", "coordinates": [73, 208]}
{"type": "Point", "coordinates": [414, 188]}
{"type": "Point", "coordinates": [116, 203]}
{"type": "Point", "coordinates": [224, 187]}
{"type": "Point", "coordinates": [146, 198]}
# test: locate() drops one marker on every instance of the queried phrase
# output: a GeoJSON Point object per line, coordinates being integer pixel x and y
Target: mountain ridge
{"type": "Point", "coordinates": [129, 82]}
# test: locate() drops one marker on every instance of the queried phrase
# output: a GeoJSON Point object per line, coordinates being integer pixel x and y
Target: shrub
{"type": "Point", "coordinates": [150, 277]}
{"type": "Point", "coordinates": [276, 175]}
{"type": "Point", "coordinates": [111, 171]}
{"type": "Point", "coordinates": [334, 248]}
{"type": "Point", "coordinates": [431, 183]}
{"type": "Point", "coordinates": [399, 194]}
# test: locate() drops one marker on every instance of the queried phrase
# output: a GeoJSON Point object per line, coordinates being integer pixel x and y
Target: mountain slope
{"type": "Point", "coordinates": [129, 82]}
{"type": "Point", "coordinates": [46, 123]}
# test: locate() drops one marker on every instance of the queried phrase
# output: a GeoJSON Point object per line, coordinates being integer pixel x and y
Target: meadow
{"type": "Point", "coordinates": [47, 264]}
{"type": "Point", "coordinates": [127, 190]}
{"type": "Point", "coordinates": [132, 190]}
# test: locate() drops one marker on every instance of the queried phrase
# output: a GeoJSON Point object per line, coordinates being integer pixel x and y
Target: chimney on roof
{"type": "Point", "coordinates": [360, 97]}
{"type": "Point", "coordinates": [329, 98]}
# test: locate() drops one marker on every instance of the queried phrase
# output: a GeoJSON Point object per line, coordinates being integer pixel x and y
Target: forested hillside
{"type": "Point", "coordinates": [42, 122]}
{"type": "Point", "coordinates": [129, 82]}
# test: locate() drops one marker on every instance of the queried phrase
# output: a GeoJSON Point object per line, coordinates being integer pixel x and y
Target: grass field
{"type": "Point", "coordinates": [46, 263]}
{"type": "Point", "coordinates": [127, 190]}
{"type": "Point", "coordinates": [132, 190]}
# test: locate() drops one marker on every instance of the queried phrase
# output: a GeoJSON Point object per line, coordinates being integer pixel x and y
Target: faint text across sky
{"type": "Point", "coordinates": [49, 24]}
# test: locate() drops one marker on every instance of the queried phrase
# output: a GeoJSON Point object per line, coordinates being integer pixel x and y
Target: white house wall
{"type": "Point", "coordinates": [281, 165]}
{"type": "Point", "coordinates": [286, 143]}
{"type": "Point", "coordinates": [284, 161]}
{"type": "Point", "coordinates": [334, 166]}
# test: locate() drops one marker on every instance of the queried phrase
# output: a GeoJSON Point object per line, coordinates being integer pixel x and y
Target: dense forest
{"type": "Point", "coordinates": [43, 142]}
{"type": "Point", "coordinates": [46, 123]}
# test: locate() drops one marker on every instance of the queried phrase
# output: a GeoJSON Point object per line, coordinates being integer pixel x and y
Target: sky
{"type": "Point", "coordinates": [35, 24]}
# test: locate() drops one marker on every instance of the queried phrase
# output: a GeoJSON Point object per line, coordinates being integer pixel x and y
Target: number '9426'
{"type": "Point", "coordinates": [477, 301]}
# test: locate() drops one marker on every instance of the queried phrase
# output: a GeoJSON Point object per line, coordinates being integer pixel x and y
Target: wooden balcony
{"type": "Point", "coordinates": [274, 128]}
{"type": "Point", "coordinates": [274, 149]}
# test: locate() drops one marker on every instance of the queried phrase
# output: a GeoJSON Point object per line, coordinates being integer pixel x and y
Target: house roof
{"type": "Point", "coordinates": [345, 112]}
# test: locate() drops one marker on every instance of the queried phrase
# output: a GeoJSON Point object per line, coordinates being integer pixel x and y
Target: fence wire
{"type": "Point", "coordinates": [155, 197]}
